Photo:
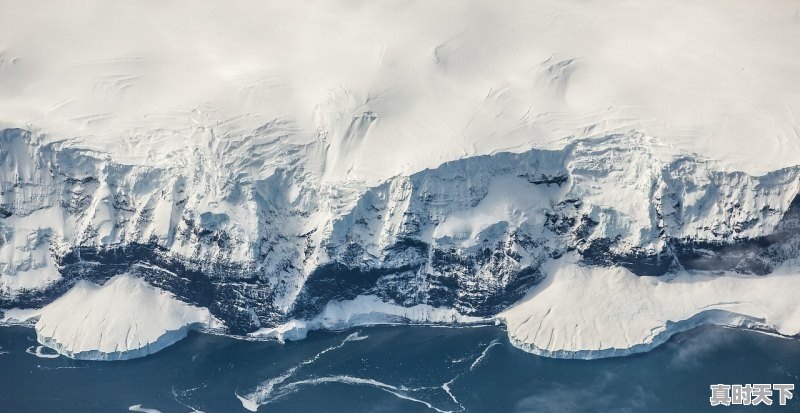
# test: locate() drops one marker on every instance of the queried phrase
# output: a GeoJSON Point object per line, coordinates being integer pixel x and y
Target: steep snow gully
{"type": "Point", "coordinates": [278, 252]}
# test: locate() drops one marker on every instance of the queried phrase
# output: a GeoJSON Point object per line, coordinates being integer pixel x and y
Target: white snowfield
{"type": "Point", "coordinates": [124, 318]}
{"type": "Point", "coordinates": [586, 313]}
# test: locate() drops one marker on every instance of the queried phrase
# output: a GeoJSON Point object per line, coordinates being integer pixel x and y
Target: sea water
{"type": "Point", "coordinates": [393, 369]}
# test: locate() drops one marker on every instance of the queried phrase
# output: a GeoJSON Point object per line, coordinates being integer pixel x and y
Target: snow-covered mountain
{"type": "Point", "coordinates": [473, 235]}
{"type": "Point", "coordinates": [400, 169]}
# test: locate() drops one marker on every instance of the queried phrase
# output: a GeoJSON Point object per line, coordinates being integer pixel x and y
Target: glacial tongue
{"type": "Point", "coordinates": [591, 312]}
{"type": "Point", "coordinates": [123, 319]}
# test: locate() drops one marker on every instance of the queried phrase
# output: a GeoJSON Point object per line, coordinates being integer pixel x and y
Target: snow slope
{"type": "Point", "coordinates": [123, 319]}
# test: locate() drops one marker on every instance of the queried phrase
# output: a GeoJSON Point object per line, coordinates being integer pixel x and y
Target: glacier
{"type": "Point", "coordinates": [123, 319]}
{"type": "Point", "coordinates": [456, 244]}
{"type": "Point", "coordinates": [459, 174]}
{"type": "Point", "coordinates": [585, 313]}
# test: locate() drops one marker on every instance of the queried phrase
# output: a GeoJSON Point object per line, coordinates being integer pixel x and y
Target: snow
{"type": "Point", "coordinates": [582, 312]}
{"type": "Point", "coordinates": [392, 89]}
{"type": "Point", "coordinates": [508, 199]}
{"type": "Point", "coordinates": [364, 310]}
{"type": "Point", "coordinates": [25, 251]}
{"type": "Point", "coordinates": [139, 408]}
{"type": "Point", "coordinates": [42, 352]}
{"type": "Point", "coordinates": [122, 319]}
{"type": "Point", "coordinates": [576, 312]}
{"type": "Point", "coordinates": [369, 126]}
{"type": "Point", "coordinates": [595, 312]}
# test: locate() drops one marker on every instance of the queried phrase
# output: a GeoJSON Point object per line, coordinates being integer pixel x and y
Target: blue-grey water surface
{"type": "Point", "coordinates": [394, 369]}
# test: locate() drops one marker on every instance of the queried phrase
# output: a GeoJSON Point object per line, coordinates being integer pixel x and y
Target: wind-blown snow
{"type": "Point", "coordinates": [122, 319]}
{"type": "Point", "coordinates": [581, 312]}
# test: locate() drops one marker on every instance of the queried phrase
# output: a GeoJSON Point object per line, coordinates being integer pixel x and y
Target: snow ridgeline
{"type": "Point", "coordinates": [577, 312]}
{"type": "Point", "coordinates": [123, 319]}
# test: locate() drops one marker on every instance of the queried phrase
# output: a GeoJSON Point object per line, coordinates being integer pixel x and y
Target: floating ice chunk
{"type": "Point", "coordinates": [39, 351]}
{"type": "Point", "coordinates": [139, 408]}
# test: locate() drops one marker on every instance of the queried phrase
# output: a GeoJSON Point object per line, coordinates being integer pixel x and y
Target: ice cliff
{"type": "Point", "coordinates": [123, 319]}
{"type": "Point", "coordinates": [472, 235]}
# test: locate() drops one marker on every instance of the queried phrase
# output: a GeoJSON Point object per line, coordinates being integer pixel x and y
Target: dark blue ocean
{"type": "Point", "coordinates": [394, 369]}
